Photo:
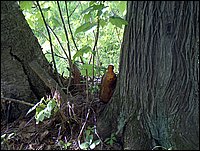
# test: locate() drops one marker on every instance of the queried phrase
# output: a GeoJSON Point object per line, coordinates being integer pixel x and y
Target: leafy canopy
{"type": "Point", "coordinates": [83, 18]}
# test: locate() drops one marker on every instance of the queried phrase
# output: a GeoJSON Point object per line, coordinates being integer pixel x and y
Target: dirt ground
{"type": "Point", "coordinates": [54, 133]}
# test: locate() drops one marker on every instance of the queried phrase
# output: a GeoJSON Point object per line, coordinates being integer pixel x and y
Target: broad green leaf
{"type": "Point", "coordinates": [102, 23]}
{"type": "Point", "coordinates": [87, 10]}
{"type": "Point", "coordinates": [39, 19]}
{"type": "Point", "coordinates": [86, 17]}
{"type": "Point", "coordinates": [122, 6]}
{"type": "Point", "coordinates": [93, 8]}
{"type": "Point", "coordinates": [118, 21]}
{"type": "Point", "coordinates": [90, 128]}
{"type": "Point", "coordinates": [84, 145]}
{"type": "Point", "coordinates": [51, 104]}
{"type": "Point", "coordinates": [47, 113]}
{"type": "Point", "coordinates": [82, 51]}
{"type": "Point", "coordinates": [89, 138]}
{"type": "Point", "coordinates": [25, 5]}
{"type": "Point", "coordinates": [111, 142]}
{"type": "Point", "coordinates": [85, 27]}
{"type": "Point", "coordinates": [87, 132]}
{"type": "Point", "coordinates": [112, 135]}
{"type": "Point", "coordinates": [98, 7]}
{"type": "Point", "coordinates": [114, 138]}
{"type": "Point", "coordinates": [40, 117]}
{"type": "Point", "coordinates": [55, 22]}
{"type": "Point", "coordinates": [89, 69]}
{"type": "Point", "coordinates": [92, 2]}
{"type": "Point", "coordinates": [38, 110]}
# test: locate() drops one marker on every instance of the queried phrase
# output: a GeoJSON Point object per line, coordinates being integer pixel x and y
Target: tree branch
{"type": "Point", "coordinates": [50, 44]}
{"type": "Point", "coordinates": [66, 34]}
{"type": "Point", "coordinates": [68, 21]}
{"type": "Point", "coordinates": [16, 101]}
{"type": "Point", "coordinates": [59, 42]}
{"type": "Point", "coordinates": [95, 44]}
{"type": "Point", "coordinates": [70, 61]}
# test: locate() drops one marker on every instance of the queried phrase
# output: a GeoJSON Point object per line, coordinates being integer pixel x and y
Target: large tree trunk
{"type": "Point", "coordinates": [156, 102]}
{"type": "Point", "coordinates": [19, 47]}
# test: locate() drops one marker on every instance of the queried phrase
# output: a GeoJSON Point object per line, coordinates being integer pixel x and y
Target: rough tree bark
{"type": "Point", "coordinates": [19, 47]}
{"type": "Point", "coordinates": [156, 101]}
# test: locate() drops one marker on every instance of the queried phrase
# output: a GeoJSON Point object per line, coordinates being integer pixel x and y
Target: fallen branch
{"type": "Point", "coordinates": [16, 101]}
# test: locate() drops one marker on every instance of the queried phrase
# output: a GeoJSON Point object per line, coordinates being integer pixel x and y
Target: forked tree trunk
{"type": "Point", "coordinates": [156, 102]}
{"type": "Point", "coordinates": [19, 47]}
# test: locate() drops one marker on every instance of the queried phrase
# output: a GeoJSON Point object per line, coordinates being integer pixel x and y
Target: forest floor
{"type": "Point", "coordinates": [77, 132]}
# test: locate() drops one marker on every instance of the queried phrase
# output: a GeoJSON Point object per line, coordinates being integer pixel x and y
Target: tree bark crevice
{"type": "Point", "coordinates": [19, 47]}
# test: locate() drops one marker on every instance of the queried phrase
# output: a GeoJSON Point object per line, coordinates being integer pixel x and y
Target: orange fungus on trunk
{"type": "Point", "coordinates": [108, 84]}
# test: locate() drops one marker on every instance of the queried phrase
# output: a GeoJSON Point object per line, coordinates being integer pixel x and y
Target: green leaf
{"type": "Point", "coordinates": [86, 17]}
{"type": "Point", "coordinates": [51, 104]}
{"type": "Point", "coordinates": [87, 10]}
{"type": "Point", "coordinates": [83, 50]}
{"type": "Point", "coordinates": [40, 117]}
{"type": "Point", "coordinates": [87, 67]}
{"type": "Point", "coordinates": [87, 132]}
{"type": "Point", "coordinates": [114, 138]}
{"type": "Point", "coordinates": [25, 5]}
{"type": "Point", "coordinates": [85, 27]}
{"type": "Point", "coordinates": [68, 144]}
{"type": "Point", "coordinates": [122, 6]}
{"type": "Point", "coordinates": [97, 142]}
{"type": "Point", "coordinates": [98, 7]}
{"type": "Point", "coordinates": [118, 21]}
{"type": "Point", "coordinates": [111, 142]}
{"type": "Point", "coordinates": [107, 139]}
{"type": "Point", "coordinates": [94, 7]}
{"type": "Point", "coordinates": [84, 145]}
{"type": "Point", "coordinates": [92, 2]}
{"type": "Point", "coordinates": [94, 144]}
{"type": "Point", "coordinates": [89, 138]}
{"type": "Point", "coordinates": [39, 19]}
{"type": "Point", "coordinates": [38, 110]}
{"type": "Point", "coordinates": [55, 22]}
{"type": "Point", "coordinates": [102, 23]}
{"type": "Point", "coordinates": [90, 128]}
{"type": "Point", "coordinates": [47, 113]}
